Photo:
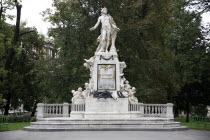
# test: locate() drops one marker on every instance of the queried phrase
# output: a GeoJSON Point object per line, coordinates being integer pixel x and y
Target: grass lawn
{"type": "Point", "coordinates": [14, 126]}
{"type": "Point", "coordinates": [194, 125]}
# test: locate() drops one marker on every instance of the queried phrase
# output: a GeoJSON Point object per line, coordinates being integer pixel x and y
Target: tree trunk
{"type": "Point", "coordinates": [9, 60]}
{"type": "Point", "coordinates": [17, 27]}
{"type": "Point", "coordinates": [34, 110]}
{"type": "Point", "coordinates": [187, 110]}
{"type": "Point", "coordinates": [6, 111]}
{"type": "Point", "coordinates": [1, 10]}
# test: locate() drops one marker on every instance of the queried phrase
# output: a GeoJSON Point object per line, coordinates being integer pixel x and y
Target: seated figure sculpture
{"type": "Point", "coordinates": [77, 94]}
{"type": "Point", "coordinates": [87, 91]}
{"type": "Point", "coordinates": [132, 99]}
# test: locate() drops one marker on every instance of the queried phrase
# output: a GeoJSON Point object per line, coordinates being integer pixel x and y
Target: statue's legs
{"type": "Point", "coordinates": [114, 36]}
{"type": "Point", "coordinates": [108, 34]}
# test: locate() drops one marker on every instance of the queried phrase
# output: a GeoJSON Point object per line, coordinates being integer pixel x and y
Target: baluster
{"type": "Point", "coordinates": [53, 110]}
{"type": "Point", "coordinates": [156, 110]}
{"type": "Point", "coordinates": [154, 107]}
{"type": "Point", "coordinates": [149, 110]}
{"type": "Point", "coordinates": [47, 107]}
{"type": "Point", "coordinates": [56, 109]}
{"type": "Point", "coordinates": [145, 109]}
{"type": "Point", "coordinates": [163, 110]}
{"type": "Point", "coordinates": [50, 110]}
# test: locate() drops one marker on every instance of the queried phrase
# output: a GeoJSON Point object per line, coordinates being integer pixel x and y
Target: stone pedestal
{"type": "Point", "coordinates": [106, 108]}
{"type": "Point", "coordinates": [77, 109]}
{"type": "Point", "coordinates": [106, 60]}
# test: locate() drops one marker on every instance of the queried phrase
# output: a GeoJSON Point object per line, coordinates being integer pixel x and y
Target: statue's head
{"type": "Point", "coordinates": [127, 82]}
{"type": "Point", "coordinates": [80, 89]}
{"type": "Point", "coordinates": [86, 84]}
{"type": "Point", "coordinates": [104, 10]}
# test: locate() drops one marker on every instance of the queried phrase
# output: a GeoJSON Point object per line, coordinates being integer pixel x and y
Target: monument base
{"type": "Point", "coordinates": [105, 109]}
{"type": "Point", "coordinates": [140, 124]}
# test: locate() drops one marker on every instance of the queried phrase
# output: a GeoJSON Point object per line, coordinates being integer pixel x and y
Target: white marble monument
{"type": "Point", "coordinates": [108, 93]}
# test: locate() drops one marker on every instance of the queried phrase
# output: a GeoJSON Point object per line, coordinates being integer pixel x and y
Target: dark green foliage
{"type": "Point", "coordinates": [200, 110]}
{"type": "Point", "coordinates": [15, 118]}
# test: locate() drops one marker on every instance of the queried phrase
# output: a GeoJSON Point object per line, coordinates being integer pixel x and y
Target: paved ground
{"type": "Point", "coordinates": [107, 135]}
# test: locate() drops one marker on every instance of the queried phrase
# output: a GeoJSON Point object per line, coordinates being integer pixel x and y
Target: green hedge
{"type": "Point", "coordinates": [16, 118]}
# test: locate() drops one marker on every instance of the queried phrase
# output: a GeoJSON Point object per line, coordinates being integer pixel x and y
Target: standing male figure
{"type": "Point", "coordinates": [108, 30]}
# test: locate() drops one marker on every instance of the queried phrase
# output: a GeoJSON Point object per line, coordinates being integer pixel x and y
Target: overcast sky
{"type": "Point", "coordinates": [31, 13]}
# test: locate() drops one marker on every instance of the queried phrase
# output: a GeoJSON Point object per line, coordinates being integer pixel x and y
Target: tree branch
{"type": "Point", "coordinates": [27, 32]}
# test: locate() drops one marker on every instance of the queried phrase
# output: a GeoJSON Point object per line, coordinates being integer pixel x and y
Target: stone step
{"type": "Point", "coordinates": [104, 123]}
{"type": "Point", "coordinates": [180, 128]}
{"type": "Point", "coordinates": [68, 124]}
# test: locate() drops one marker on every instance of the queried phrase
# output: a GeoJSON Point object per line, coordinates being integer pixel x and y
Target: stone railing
{"type": "Point", "coordinates": [53, 110]}
{"type": "Point", "coordinates": [63, 110]}
{"type": "Point", "coordinates": [153, 110]}
{"type": "Point", "coordinates": [78, 107]}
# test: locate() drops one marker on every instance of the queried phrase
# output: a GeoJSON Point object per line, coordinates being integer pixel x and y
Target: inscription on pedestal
{"type": "Point", "coordinates": [106, 77]}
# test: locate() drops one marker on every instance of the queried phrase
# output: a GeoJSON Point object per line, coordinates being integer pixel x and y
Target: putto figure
{"type": "Point", "coordinates": [108, 32]}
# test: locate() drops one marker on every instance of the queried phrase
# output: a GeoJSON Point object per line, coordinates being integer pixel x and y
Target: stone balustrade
{"type": "Point", "coordinates": [63, 110]}
{"type": "Point", "coordinates": [153, 110]}
{"type": "Point", "coordinates": [53, 110]}
{"type": "Point", "coordinates": [78, 107]}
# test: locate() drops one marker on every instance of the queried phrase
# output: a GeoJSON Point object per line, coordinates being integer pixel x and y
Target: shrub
{"type": "Point", "coordinates": [16, 118]}
{"type": "Point", "coordinates": [33, 119]}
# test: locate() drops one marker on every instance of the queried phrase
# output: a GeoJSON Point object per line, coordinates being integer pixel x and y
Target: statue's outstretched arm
{"type": "Point", "coordinates": [98, 22]}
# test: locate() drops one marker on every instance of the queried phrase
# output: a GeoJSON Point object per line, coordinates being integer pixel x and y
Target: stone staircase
{"type": "Point", "coordinates": [137, 124]}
